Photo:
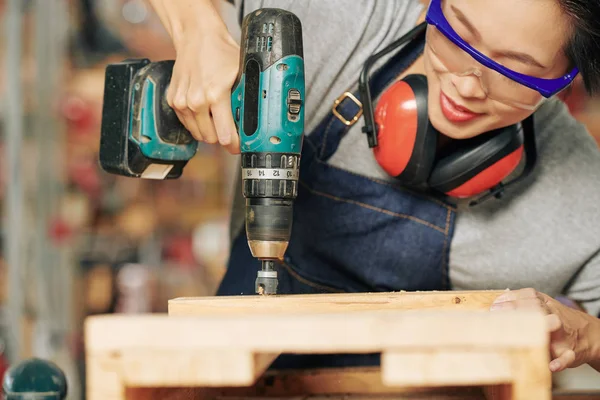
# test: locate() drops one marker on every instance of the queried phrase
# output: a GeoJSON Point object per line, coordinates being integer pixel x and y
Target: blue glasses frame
{"type": "Point", "coordinates": [546, 87]}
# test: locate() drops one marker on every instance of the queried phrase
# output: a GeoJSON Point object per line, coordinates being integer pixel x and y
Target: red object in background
{"type": "Point", "coordinates": [179, 249]}
{"type": "Point", "coordinates": [78, 113]}
{"type": "Point", "coordinates": [4, 365]}
{"type": "Point", "coordinates": [59, 231]}
{"type": "Point", "coordinates": [85, 175]}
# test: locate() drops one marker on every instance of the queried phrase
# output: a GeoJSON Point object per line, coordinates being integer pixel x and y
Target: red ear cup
{"type": "Point", "coordinates": [489, 177]}
{"type": "Point", "coordinates": [478, 164]}
{"type": "Point", "coordinates": [407, 141]}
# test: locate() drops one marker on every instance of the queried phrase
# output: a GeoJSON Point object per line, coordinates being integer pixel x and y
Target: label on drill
{"type": "Point", "coordinates": [270, 173]}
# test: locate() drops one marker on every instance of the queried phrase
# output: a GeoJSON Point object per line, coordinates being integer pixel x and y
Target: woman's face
{"type": "Point", "coordinates": [527, 36]}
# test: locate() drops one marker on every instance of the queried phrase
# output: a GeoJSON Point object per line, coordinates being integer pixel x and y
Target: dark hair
{"type": "Point", "coordinates": [583, 48]}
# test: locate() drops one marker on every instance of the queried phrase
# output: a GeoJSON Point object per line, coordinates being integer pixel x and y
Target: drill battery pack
{"type": "Point", "coordinates": [141, 135]}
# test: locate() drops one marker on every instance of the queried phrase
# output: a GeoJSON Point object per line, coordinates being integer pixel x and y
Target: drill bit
{"type": "Point", "coordinates": [266, 280]}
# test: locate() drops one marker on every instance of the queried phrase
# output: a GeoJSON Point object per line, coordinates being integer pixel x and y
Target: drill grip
{"type": "Point", "coordinates": [154, 80]}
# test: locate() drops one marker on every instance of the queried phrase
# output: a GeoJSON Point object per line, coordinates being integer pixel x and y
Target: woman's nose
{"type": "Point", "coordinates": [469, 86]}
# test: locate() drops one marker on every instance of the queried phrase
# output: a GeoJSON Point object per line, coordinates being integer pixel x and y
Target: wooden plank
{"type": "Point", "coordinates": [169, 351]}
{"type": "Point", "coordinates": [110, 375]}
{"type": "Point", "coordinates": [333, 333]}
{"type": "Point", "coordinates": [207, 367]}
{"type": "Point", "coordinates": [441, 367]}
{"type": "Point", "coordinates": [531, 378]}
{"type": "Point", "coordinates": [327, 381]}
{"type": "Point", "coordinates": [336, 302]}
{"type": "Point", "coordinates": [356, 383]}
{"type": "Point", "coordinates": [103, 377]}
{"type": "Point", "coordinates": [192, 394]}
{"type": "Point", "coordinates": [427, 339]}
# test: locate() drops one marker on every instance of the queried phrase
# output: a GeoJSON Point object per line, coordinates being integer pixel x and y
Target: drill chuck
{"type": "Point", "coordinates": [270, 185]}
{"type": "Point", "coordinates": [266, 280]}
{"type": "Point", "coordinates": [268, 226]}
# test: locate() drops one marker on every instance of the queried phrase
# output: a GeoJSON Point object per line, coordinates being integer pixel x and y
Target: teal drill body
{"type": "Point", "coordinates": [142, 137]}
{"type": "Point", "coordinates": [273, 114]}
{"type": "Point", "coordinates": [144, 129]}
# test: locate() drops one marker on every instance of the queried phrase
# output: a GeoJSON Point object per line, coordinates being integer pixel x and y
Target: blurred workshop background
{"type": "Point", "coordinates": [75, 240]}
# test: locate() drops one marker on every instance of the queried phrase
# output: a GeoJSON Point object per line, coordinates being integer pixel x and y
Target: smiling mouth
{"type": "Point", "coordinates": [454, 112]}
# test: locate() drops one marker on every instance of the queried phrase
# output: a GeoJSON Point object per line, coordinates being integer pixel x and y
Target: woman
{"type": "Point", "coordinates": [356, 228]}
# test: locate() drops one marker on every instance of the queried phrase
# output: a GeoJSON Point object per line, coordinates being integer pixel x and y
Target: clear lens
{"type": "Point", "coordinates": [497, 86]}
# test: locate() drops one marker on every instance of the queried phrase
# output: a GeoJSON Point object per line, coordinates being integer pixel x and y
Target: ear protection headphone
{"type": "Point", "coordinates": [405, 143]}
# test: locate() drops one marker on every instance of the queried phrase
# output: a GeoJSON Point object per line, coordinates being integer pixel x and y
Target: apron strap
{"type": "Point", "coordinates": [336, 124]}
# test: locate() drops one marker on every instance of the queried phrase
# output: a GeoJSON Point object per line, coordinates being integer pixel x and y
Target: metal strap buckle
{"type": "Point", "coordinates": [339, 116]}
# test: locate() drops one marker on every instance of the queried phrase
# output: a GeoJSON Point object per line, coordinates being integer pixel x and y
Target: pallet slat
{"type": "Point", "coordinates": [365, 332]}
{"type": "Point", "coordinates": [431, 368]}
{"type": "Point", "coordinates": [426, 340]}
{"type": "Point", "coordinates": [335, 302]}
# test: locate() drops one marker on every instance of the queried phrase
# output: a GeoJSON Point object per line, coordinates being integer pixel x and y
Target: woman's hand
{"type": "Point", "coordinates": [200, 91]}
{"type": "Point", "coordinates": [572, 342]}
{"type": "Point", "coordinates": [205, 70]}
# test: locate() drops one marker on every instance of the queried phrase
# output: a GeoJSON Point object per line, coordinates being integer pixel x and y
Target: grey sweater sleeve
{"type": "Point", "coordinates": [575, 165]}
{"type": "Point", "coordinates": [585, 286]}
{"type": "Point", "coordinates": [545, 233]}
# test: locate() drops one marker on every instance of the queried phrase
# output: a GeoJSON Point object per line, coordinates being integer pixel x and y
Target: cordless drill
{"type": "Point", "coordinates": [142, 137]}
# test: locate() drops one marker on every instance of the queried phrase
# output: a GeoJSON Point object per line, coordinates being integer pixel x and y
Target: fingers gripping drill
{"type": "Point", "coordinates": [142, 137]}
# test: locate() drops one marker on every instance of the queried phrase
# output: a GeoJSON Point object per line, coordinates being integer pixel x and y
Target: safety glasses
{"type": "Point", "coordinates": [546, 87]}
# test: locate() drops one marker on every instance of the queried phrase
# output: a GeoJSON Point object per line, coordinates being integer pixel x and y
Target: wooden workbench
{"type": "Point", "coordinates": [437, 345]}
{"type": "Point", "coordinates": [333, 384]}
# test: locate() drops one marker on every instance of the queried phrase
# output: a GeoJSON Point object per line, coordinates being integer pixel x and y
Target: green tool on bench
{"type": "Point", "coordinates": [34, 379]}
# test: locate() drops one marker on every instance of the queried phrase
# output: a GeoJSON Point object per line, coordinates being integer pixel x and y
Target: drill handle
{"type": "Point", "coordinates": [168, 126]}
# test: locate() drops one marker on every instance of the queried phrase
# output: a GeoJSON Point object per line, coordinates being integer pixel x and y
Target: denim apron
{"type": "Point", "coordinates": [352, 233]}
